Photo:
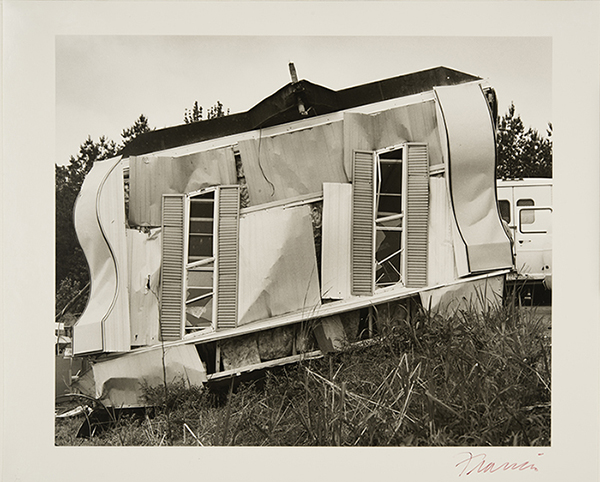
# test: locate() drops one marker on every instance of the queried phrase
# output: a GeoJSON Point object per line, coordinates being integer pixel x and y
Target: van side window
{"type": "Point", "coordinates": [504, 206]}
{"type": "Point", "coordinates": [527, 217]}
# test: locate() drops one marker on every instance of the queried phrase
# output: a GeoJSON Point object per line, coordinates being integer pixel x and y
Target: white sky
{"type": "Point", "coordinates": [103, 83]}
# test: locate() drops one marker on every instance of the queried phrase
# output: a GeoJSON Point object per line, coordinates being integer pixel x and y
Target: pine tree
{"type": "Point", "coordinates": [522, 153]}
{"type": "Point", "coordinates": [140, 126]}
{"type": "Point", "coordinates": [195, 114]}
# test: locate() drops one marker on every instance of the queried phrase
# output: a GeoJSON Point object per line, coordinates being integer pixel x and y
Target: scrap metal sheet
{"type": "Point", "coordinates": [120, 381]}
{"type": "Point", "coordinates": [152, 176]}
{"type": "Point", "coordinates": [476, 295]}
{"type": "Point", "coordinates": [472, 155]}
{"type": "Point", "coordinates": [289, 165]}
{"type": "Point", "coordinates": [278, 265]}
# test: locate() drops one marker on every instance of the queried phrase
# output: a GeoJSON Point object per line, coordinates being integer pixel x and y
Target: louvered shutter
{"type": "Point", "coordinates": [417, 215]}
{"type": "Point", "coordinates": [227, 256]}
{"type": "Point", "coordinates": [363, 211]}
{"type": "Point", "coordinates": [172, 270]}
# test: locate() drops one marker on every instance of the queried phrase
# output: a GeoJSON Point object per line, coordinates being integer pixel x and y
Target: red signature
{"type": "Point", "coordinates": [479, 465]}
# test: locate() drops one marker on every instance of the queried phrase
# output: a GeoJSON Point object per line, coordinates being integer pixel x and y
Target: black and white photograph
{"type": "Point", "coordinates": [360, 266]}
{"type": "Point", "coordinates": [373, 247]}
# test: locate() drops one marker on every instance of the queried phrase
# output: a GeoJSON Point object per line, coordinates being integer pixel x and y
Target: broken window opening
{"type": "Point", "coordinates": [389, 242]}
{"type": "Point", "coordinates": [200, 262]}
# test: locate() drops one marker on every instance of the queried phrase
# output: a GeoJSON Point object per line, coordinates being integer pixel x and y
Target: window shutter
{"type": "Point", "coordinates": [417, 215]}
{"type": "Point", "coordinates": [172, 271]}
{"type": "Point", "coordinates": [227, 256]}
{"type": "Point", "coordinates": [363, 211]}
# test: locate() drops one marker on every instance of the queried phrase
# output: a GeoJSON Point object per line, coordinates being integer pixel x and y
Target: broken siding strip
{"type": "Point", "coordinates": [172, 272]}
{"type": "Point", "coordinates": [335, 247]}
{"type": "Point", "coordinates": [227, 256]}
{"type": "Point", "coordinates": [417, 215]}
{"type": "Point", "coordinates": [363, 209]}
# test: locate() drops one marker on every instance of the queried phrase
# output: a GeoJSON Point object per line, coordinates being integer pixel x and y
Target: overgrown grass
{"type": "Point", "coordinates": [474, 379]}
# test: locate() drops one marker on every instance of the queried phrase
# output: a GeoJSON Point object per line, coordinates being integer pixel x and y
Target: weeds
{"type": "Point", "coordinates": [474, 379]}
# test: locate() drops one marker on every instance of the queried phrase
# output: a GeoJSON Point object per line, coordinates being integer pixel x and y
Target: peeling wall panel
{"type": "Point", "coordinates": [152, 176]}
{"type": "Point", "coordinates": [292, 164]}
{"type": "Point", "coordinates": [144, 253]}
{"type": "Point", "coordinates": [441, 266]}
{"type": "Point", "coordinates": [409, 123]}
{"type": "Point", "coordinates": [99, 220]}
{"type": "Point", "coordinates": [335, 247]}
{"type": "Point", "coordinates": [278, 265]}
{"type": "Point", "coordinates": [471, 172]}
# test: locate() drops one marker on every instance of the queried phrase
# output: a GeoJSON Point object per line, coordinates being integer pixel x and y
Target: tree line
{"type": "Point", "coordinates": [521, 153]}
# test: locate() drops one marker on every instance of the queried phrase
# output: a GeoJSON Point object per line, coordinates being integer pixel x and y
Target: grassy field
{"type": "Point", "coordinates": [472, 380]}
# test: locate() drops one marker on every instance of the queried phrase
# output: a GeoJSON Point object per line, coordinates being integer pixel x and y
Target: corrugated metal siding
{"type": "Point", "coordinates": [363, 207]}
{"type": "Point", "coordinates": [417, 215]}
{"type": "Point", "coordinates": [227, 256]}
{"type": "Point", "coordinates": [172, 272]}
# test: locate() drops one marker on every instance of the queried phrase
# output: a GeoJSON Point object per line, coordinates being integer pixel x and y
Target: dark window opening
{"type": "Point", "coordinates": [504, 207]}
{"type": "Point", "coordinates": [200, 272]}
{"type": "Point", "coordinates": [388, 221]}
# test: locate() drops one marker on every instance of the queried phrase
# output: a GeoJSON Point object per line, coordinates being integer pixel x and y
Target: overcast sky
{"type": "Point", "coordinates": [104, 82]}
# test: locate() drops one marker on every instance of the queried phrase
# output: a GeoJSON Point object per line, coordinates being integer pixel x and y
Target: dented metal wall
{"type": "Point", "coordinates": [409, 123]}
{"type": "Point", "coordinates": [151, 176]}
{"type": "Point", "coordinates": [277, 264]}
{"type": "Point", "coordinates": [288, 165]}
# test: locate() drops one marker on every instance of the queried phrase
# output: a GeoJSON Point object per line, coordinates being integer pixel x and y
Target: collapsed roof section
{"type": "Point", "coordinates": [282, 107]}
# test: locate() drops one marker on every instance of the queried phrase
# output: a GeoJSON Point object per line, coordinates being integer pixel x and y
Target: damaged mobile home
{"type": "Point", "coordinates": [265, 237]}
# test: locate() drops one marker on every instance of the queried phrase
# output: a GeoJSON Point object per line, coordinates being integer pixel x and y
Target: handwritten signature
{"type": "Point", "coordinates": [477, 464]}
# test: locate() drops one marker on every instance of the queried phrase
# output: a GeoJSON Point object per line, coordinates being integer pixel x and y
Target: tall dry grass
{"type": "Point", "coordinates": [479, 379]}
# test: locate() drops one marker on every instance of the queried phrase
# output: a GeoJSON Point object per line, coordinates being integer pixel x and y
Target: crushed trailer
{"type": "Point", "coordinates": [266, 237]}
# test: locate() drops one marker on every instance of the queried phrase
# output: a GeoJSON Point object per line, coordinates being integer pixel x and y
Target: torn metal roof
{"type": "Point", "coordinates": [282, 107]}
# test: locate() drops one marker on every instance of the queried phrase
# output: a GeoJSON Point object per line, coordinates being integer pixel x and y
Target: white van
{"type": "Point", "coordinates": [526, 207]}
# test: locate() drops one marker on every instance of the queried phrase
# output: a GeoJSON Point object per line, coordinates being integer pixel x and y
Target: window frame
{"type": "Point", "coordinates": [377, 227]}
{"type": "Point", "coordinates": [199, 264]}
{"type": "Point", "coordinates": [525, 207]}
